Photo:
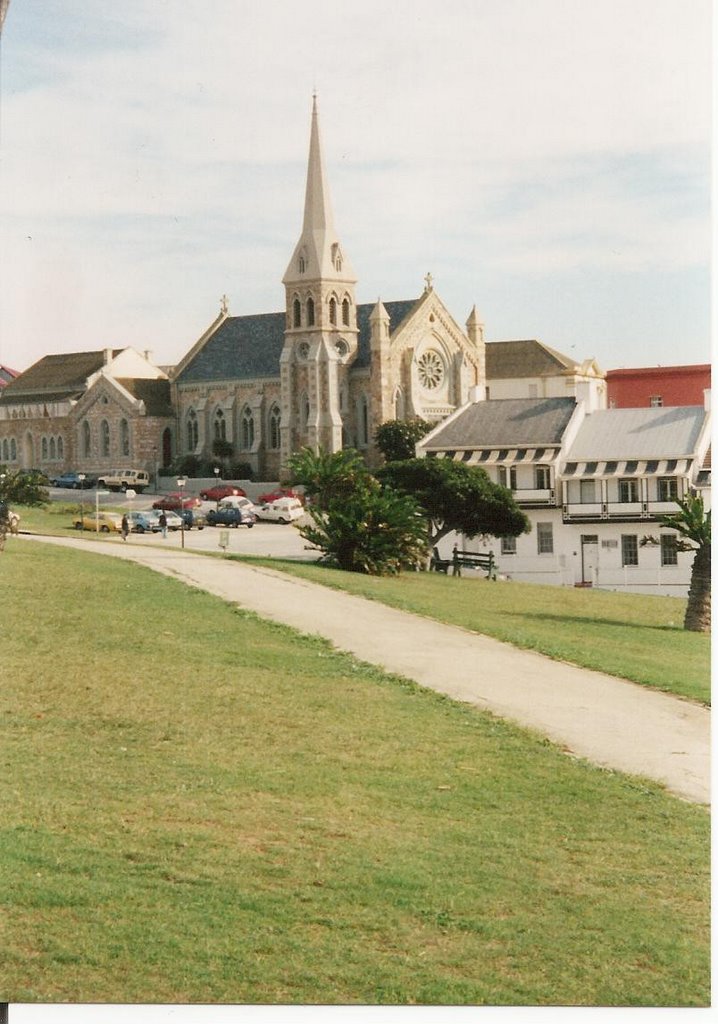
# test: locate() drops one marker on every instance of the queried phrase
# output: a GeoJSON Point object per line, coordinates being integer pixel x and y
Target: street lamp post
{"type": "Point", "coordinates": [81, 480]}
{"type": "Point", "coordinates": [180, 483]}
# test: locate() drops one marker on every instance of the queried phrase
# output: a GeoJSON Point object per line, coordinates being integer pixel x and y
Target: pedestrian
{"type": "Point", "coordinates": [125, 528]}
{"type": "Point", "coordinates": [456, 562]}
{"type": "Point", "coordinates": [163, 524]}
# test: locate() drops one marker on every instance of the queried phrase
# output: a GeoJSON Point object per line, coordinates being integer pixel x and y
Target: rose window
{"type": "Point", "coordinates": [431, 369]}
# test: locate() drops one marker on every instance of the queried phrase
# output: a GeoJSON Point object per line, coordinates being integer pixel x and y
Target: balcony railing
{"type": "Point", "coordinates": [534, 496]}
{"type": "Point", "coordinates": [617, 510]}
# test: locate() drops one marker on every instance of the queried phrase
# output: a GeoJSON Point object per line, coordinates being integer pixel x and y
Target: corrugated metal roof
{"type": "Point", "coordinates": [506, 423]}
{"type": "Point", "coordinates": [638, 433]}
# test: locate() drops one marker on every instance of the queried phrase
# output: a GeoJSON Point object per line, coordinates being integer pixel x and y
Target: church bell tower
{"type": "Point", "coordinates": [320, 337]}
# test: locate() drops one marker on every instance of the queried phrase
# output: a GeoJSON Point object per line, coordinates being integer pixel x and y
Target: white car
{"type": "Point", "coordinates": [283, 510]}
{"type": "Point", "coordinates": [236, 501]}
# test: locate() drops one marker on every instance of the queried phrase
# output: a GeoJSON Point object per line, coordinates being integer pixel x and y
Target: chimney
{"type": "Point", "coordinates": [148, 355]}
{"type": "Point", "coordinates": [108, 356]}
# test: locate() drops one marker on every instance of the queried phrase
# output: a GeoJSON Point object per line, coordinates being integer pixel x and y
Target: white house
{"type": "Point", "coordinates": [593, 483]}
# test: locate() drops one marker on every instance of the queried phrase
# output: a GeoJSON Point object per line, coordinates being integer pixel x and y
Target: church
{"type": "Point", "coordinates": [326, 371]}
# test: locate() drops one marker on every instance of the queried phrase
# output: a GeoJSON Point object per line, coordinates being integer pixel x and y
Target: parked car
{"type": "Point", "coordinates": [124, 479]}
{"type": "Point", "coordinates": [220, 491]}
{"type": "Point", "coordinates": [229, 516]}
{"type": "Point", "coordinates": [235, 501]}
{"type": "Point", "coordinates": [108, 522]}
{"type": "Point", "coordinates": [281, 492]}
{"type": "Point", "coordinates": [176, 501]}
{"type": "Point", "coordinates": [73, 481]}
{"type": "Point", "coordinates": [192, 517]}
{"type": "Point", "coordinates": [284, 510]}
{"type": "Point", "coordinates": [144, 522]}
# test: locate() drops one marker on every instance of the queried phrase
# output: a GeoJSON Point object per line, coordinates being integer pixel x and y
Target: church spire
{"type": "Point", "coordinates": [318, 254]}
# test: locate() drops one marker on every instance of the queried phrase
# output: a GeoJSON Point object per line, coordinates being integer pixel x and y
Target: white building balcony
{"type": "Point", "coordinates": [534, 496]}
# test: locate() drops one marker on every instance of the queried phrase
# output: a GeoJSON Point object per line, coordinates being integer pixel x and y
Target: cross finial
{"type": "Point", "coordinates": [224, 305]}
{"type": "Point", "coordinates": [428, 280]}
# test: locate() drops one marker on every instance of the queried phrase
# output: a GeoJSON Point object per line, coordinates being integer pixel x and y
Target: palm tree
{"type": "Point", "coordinates": [693, 524]}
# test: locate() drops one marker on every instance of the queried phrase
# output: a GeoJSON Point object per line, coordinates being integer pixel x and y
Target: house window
{"type": "Point", "coordinates": [124, 437]}
{"type": "Point", "coordinates": [310, 312]}
{"type": "Point", "coordinates": [668, 488]}
{"type": "Point", "coordinates": [544, 538]}
{"type": "Point", "coordinates": [86, 439]}
{"type": "Point", "coordinates": [508, 545]}
{"type": "Point", "coordinates": [629, 549]}
{"type": "Point", "coordinates": [275, 421]}
{"type": "Point", "coordinates": [220, 426]}
{"type": "Point", "coordinates": [507, 477]}
{"type": "Point", "coordinates": [669, 549]}
{"type": "Point", "coordinates": [297, 308]}
{"type": "Point", "coordinates": [587, 492]}
{"type": "Point", "coordinates": [345, 312]}
{"type": "Point", "coordinates": [105, 437]}
{"type": "Point", "coordinates": [192, 431]}
{"type": "Point", "coordinates": [333, 312]}
{"type": "Point", "coordinates": [656, 401]}
{"type": "Point", "coordinates": [628, 490]}
{"type": "Point", "coordinates": [247, 428]}
{"type": "Point", "coordinates": [543, 478]}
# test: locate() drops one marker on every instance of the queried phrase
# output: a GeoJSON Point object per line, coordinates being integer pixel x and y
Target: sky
{"type": "Point", "coordinates": [546, 160]}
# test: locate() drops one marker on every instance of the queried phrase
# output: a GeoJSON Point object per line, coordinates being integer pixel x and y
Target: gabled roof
{"type": "Point", "coordinates": [7, 375]}
{"type": "Point", "coordinates": [245, 347]}
{"type": "Point", "coordinates": [504, 423]}
{"type": "Point", "coordinates": [154, 393]}
{"type": "Point", "coordinates": [648, 433]}
{"type": "Point", "coordinates": [527, 358]}
{"type": "Point", "coordinates": [55, 377]}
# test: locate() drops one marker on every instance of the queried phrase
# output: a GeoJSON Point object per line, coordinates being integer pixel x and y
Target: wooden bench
{"type": "Point", "coordinates": [464, 559]}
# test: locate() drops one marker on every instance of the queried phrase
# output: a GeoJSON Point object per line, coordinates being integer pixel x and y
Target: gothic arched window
{"type": "Point", "coordinates": [247, 428]}
{"type": "Point", "coordinates": [363, 422]}
{"type": "Point", "coordinates": [345, 312]}
{"type": "Point", "coordinates": [86, 439]}
{"type": "Point", "coordinates": [53, 449]}
{"type": "Point", "coordinates": [124, 437]}
{"type": "Point", "coordinates": [43, 448]}
{"type": "Point", "coordinates": [60, 448]}
{"type": "Point", "coordinates": [310, 312]}
{"type": "Point", "coordinates": [5, 451]}
{"type": "Point", "coordinates": [297, 313]}
{"type": "Point", "coordinates": [333, 312]}
{"type": "Point", "coordinates": [192, 431]}
{"type": "Point", "coordinates": [304, 411]}
{"type": "Point", "coordinates": [302, 264]}
{"type": "Point", "coordinates": [275, 422]}
{"type": "Point", "coordinates": [13, 449]}
{"type": "Point", "coordinates": [105, 437]}
{"type": "Point", "coordinates": [220, 426]}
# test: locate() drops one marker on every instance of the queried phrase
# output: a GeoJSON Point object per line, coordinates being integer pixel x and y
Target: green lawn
{"type": "Point", "coordinates": [202, 807]}
{"type": "Point", "coordinates": [628, 635]}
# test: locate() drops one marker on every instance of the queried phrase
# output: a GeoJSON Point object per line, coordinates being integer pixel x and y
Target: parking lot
{"type": "Point", "coordinates": [263, 539]}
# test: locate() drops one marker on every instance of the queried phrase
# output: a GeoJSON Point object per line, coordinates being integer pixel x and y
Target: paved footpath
{"type": "Point", "coordinates": [608, 721]}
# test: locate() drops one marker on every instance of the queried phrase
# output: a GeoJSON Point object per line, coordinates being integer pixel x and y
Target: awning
{"type": "Point", "coordinates": [627, 467]}
{"type": "Point", "coordinates": [501, 456]}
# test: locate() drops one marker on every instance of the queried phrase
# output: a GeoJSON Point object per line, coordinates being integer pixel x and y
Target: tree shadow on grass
{"type": "Point", "coordinates": [588, 620]}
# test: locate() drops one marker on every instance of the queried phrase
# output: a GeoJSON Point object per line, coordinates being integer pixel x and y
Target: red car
{"type": "Point", "coordinates": [281, 492]}
{"type": "Point", "coordinates": [220, 491]}
{"type": "Point", "coordinates": [173, 502]}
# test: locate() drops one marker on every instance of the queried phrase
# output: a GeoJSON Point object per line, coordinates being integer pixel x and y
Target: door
{"type": "Point", "coordinates": [589, 558]}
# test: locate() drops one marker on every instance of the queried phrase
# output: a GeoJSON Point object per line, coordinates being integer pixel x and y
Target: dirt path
{"type": "Point", "coordinates": [608, 721]}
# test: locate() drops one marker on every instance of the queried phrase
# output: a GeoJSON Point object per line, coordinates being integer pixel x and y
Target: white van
{"type": "Point", "coordinates": [124, 480]}
{"type": "Point", "coordinates": [283, 510]}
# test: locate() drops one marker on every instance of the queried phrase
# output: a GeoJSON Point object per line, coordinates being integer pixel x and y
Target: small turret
{"type": "Point", "coordinates": [475, 328]}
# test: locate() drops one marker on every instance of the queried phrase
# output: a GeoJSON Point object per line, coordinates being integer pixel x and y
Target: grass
{"type": "Point", "coordinates": [202, 807]}
{"type": "Point", "coordinates": [632, 636]}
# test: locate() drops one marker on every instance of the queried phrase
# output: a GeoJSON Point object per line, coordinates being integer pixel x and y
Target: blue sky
{"type": "Point", "coordinates": [546, 161]}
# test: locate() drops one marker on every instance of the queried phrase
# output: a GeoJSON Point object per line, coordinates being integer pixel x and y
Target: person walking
{"type": "Point", "coordinates": [163, 523]}
{"type": "Point", "coordinates": [125, 527]}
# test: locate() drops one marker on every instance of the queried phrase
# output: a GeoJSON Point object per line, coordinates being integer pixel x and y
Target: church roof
{"type": "Point", "coordinates": [56, 376]}
{"type": "Point", "coordinates": [526, 358]}
{"type": "Point", "coordinates": [154, 393]}
{"type": "Point", "coordinates": [505, 422]}
{"type": "Point", "coordinates": [246, 347]}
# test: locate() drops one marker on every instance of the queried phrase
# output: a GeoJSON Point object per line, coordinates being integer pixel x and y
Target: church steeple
{"type": "Point", "coordinates": [318, 253]}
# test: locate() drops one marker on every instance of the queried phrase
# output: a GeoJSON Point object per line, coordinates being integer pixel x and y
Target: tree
{"type": "Point", "coordinates": [456, 497]}
{"type": "Point", "coordinates": [693, 524]}
{"type": "Point", "coordinates": [397, 439]}
{"type": "Point", "coordinates": [20, 487]}
{"type": "Point", "coordinates": [369, 531]}
{"type": "Point", "coordinates": [329, 476]}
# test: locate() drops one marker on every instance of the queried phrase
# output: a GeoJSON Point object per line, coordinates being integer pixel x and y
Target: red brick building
{"type": "Point", "coordinates": [657, 385]}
